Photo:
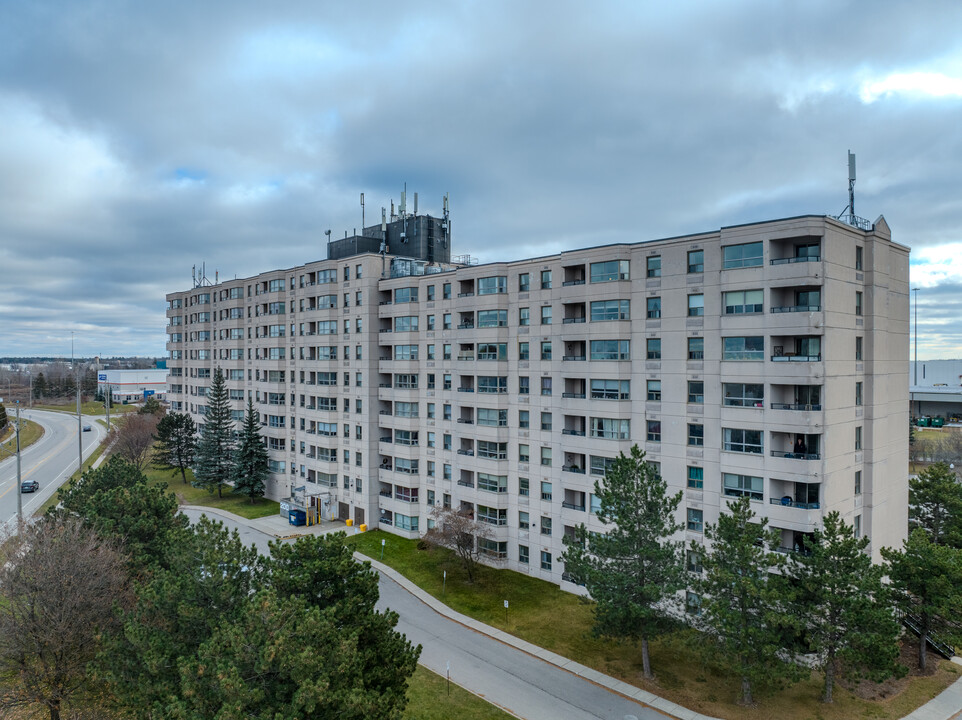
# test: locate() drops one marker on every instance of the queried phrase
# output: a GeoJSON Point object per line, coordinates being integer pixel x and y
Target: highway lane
{"type": "Point", "coordinates": [527, 686]}
{"type": "Point", "coordinates": [50, 460]}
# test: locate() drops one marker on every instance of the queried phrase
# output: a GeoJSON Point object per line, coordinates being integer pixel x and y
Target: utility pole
{"type": "Point", "coordinates": [107, 398]}
{"type": "Point", "coordinates": [80, 432]}
{"type": "Point", "coordinates": [19, 494]}
{"type": "Point", "coordinates": [915, 365]}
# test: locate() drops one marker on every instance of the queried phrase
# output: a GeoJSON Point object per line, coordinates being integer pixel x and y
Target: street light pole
{"type": "Point", "coordinates": [915, 381]}
{"type": "Point", "coordinates": [19, 494]}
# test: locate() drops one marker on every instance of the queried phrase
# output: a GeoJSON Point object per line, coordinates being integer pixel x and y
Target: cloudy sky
{"type": "Point", "coordinates": [139, 139]}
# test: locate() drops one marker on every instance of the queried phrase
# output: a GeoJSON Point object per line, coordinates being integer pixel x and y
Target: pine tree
{"type": "Point", "coordinates": [176, 434]}
{"type": "Point", "coordinates": [250, 459]}
{"type": "Point", "coordinates": [216, 447]}
{"type": "Point", "coordinates": [845, 608]}
{"type": "Point", "coordinates": [3, 417]}
{"type": "Point", "coordinates": [935, 504]}
{"type": "Point", "coordinates": [631, 569]}
{"type": "Point", "coordinates": [745, 608]}
{"type": "Point", "coordinates": [40, 387]}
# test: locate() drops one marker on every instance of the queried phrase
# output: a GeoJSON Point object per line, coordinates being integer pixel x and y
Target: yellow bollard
{"type": "Point", "coordinates": [349, 522]}
{"type": "Point", "coordinates": [363, 527]}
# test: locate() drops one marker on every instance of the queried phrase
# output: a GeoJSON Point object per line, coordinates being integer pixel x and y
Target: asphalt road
{"type": "Point", "coordinates": [528, 687]}
{"type": "Point", "coordinates": [50, 460]}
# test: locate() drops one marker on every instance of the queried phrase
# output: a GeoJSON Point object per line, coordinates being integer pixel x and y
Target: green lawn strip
{"type": "Point", "coordinates": [30, 433]}
{"type": "Point", "coordinates": [431, 697]}
{"type": "Point", "coordinates": [545, 615]}
{"type": "Point", "coordinates": [91, 407]}
{"type": "Point", "coordinates": [187, 494]}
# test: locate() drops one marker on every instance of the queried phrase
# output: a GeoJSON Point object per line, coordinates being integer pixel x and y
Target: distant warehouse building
{"type": "Point", "coordinates": [128, 386]}
{"type": "Point", "coordinates": [936, 389]}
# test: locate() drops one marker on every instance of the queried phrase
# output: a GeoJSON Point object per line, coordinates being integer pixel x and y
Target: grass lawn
{"type": "Point", "coordinates": [430, 697]}
{"type": "Point", "coordinates": [543, 614]}
{"type": "Point", "coordinates": [91, 407]}
{"type": "Point", "coordinates": [190, 495]}
{"type": "Point", "coordinates": [30, 433]}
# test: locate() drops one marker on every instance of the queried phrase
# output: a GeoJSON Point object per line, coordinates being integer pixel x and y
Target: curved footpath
{"type": "Point", "coordinates": [525, 694]}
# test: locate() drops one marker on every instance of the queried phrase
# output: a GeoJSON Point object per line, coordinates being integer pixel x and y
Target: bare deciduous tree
{"type": "Point", "coordinates": [459, 531]}
{"type": "Point", "coordinates": [135, 439]}
{"type": "Point", "coordinates": [58, 584]}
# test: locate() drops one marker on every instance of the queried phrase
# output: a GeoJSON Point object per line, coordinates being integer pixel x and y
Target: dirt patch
{"type": "Point", "coordinates": [909, 658]}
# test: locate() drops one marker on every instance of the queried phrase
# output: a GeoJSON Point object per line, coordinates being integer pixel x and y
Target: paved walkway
{"type": "Point", "coordinates": [946, 706]}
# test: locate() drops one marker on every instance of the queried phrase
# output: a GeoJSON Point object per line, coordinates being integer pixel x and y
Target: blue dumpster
{"type": "Point", "coordinates": [297, 517]}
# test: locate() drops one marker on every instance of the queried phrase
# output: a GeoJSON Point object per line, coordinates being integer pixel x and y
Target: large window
{"type": "Point", "coordinates": [492, 318]}
{"type": "Point", "coordinates": [493, 285]}
{"type": "Point", "coordinates": [405, 352]}
{"type": "Point", "coordinates": [492, 384]}
{"type": "Point", "coordinates": [492, 450]}
{"type": "Point", "coordinates": [610, 389]}
{"type": "Point", "coordinates": [610, 428]}
{"type": "Point", "coordinates": [610, 270]}
{"type": "Point", "coordinates": [746, 441]}
{"type": "Point", "coordinates": [403, 522]}
{"type": "Point", "coordinates": [493, 483]}
{"type": "Point", "coordinates": [610, 350]}
{"type": "Point", "coordinates": [492, 418]}
{"type": "Point", "coordinates": [743, 348]}
{"type": "Point", "coordinates": [737, 256]}
{"type": "Point", "coordinates": [601, 465]}
{"type": "Point", "coordinates": [406, 409]}
{"type": "Point", "coordinates": [743, 302]}
{"type": "Point", "coordinates": [743, 394]}
{"type": "Point", "coordinates": [406, 295]}
{"type": "Point", "coordinates": [742, 486]}
{"type": "Point", "coordinates": [405, 323]}
{"type": "Point", "coordinates": [492, 516]}
{"type": "Point", "coordinates": [610, 310]}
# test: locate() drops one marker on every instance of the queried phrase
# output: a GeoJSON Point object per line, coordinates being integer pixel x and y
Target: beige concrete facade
{"type": "Point", "coordinates": [768, 359]}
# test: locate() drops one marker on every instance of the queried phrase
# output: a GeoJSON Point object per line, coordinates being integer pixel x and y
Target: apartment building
{"type": "Point", "coordinates": [766, 360]}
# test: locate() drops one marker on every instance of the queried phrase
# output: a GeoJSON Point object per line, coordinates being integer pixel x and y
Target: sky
{"type": "Point", "coordinates": [138, 140]}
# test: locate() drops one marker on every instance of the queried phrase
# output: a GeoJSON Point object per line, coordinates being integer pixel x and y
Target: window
{"type": "Point", "coordinates": [545, 525]}
{"type": "Point", "coordinates": [492, 351]}
{"type": "Point", "coordinates": [492, 318]}
{"type": "Point", "coordinates": [696, 391]}
{"type": "Point", "coordinates": [743, 302]}
{"type": "Point", "coordinates": [546, 421]}
{"type": "Point", "coordinates": [524, 282]}
{"type": "Point", "coordinates": [696, 348]}
{"type": "Point", "coordinates": [524, 520]}
{"type": "Point", "coordinates": [600, 465]}
{"type": "Point", "coordinates": [432, 350]}
{"type": "Point", "coordinates": [524, 387]}
{"type": "Point", "coordinates": [696, 478]}
{"type": "Point", "coordinates": [858, 257]}
{"type": "Point", "coordinates": [746, 441]}
{"type": "Point", "coordinates": [653, 431]}
{"type": "Point", "coordinates": [654, 390]}
{"type": "Point", "coordinates": [405, 323]}
{"type": "Point", "coordinates": [738, 256]}
{"type": "Point", "coordinates": [546, 456]}
{"type": "Point", "coordinates": [446, 321]}
{"type": "Point", "coordinates": [742, 486]}
{"type": "Point", "coordinates": [545, 560]}
{"type": "Point", "coordinates": [524, 316]}
{"type": "Point", "coordinates": [693, 561]}
{"type": "Point", "coordinates": [523, 554]}
{"type": "Point", "coordinates": [653, 311]}
{"type": "Point", "coordinates": [654, 348]}
{"type": "Point", "coordinates": [523, 353]}
{"type": "Point", "coordinates": [696, 261]}
{"type": "Point", "coordinates": [858, 348]}
{"type": "Point", "coordinates": [743, 348]}
{"type": "Point", "coordinates": [405, 295]}
{"type": "Point", "coordinates": [446, 291]}
{"type": "Point", "coordinates": [545, 279]}
{"type": "Point", "coordinates": [545, 386]}
{"type": "Point", "coordinates": [610, 310]}
{"type": "Point", "coordinates": [610, 270]}
{"type": "Point", "coordinates": [403, 522]}
{"type": "Point", "coordinates": [610, 350]}
{"type": "Point", "coordinates": [858, 438]}
{"type": "Point", "coordinates": [524, 419]}
{"type": "Point", "coordinates": [497, 384]}
{"type": "Point", "coordinates": [493, 483]}
{"type": "Point", "coordinates": [546, 315]}
{"type": "Point", "coordinates": [696, 435]}
{"type": "Point", "coordinates": [858, 482]}
{"type": "Point", "coordinates": [430, 293]}
{"type": "Point", "coordinates": [524, 487]}
{"type": "Point", "coordinates": [545, 349]}
{"type": "Point", "coordinates": [446, 351]}
{"type": "Point", "coordinates": [610, 428]}
{"type": "Point", "coordinates": [524, 453]}
{"type": "Point", "coordinates": [696, 520]}
{"type": "Point", "coordinates": [610, 389]}
{"type": "Point", "coordinates": [405, 352]}
{"type": "Point", "coordinates": [743, 395]}
{"type": "Point", "coordinates": [858, 303]}
{"type": "Point", "coordinates": [493, 285]}
{"type": "Point", "coordinates": [654, 266]}
{"type": "Point", "coordinates": [492, 516]}
{"type": "Point", "coordinates": [858, 393]}
{"type": "Point", "coordinates": [492, 417]}
{"type": "Point", "coordinates": [857, 526]}
{"type": "Point", "coordinates": [545, 490]}
{"type": "Point", "coordinates": [445, 412]}
{"type": "Point", "coordinates": [696, 305]}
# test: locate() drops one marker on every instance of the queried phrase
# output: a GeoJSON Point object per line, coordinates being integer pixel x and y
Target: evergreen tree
{"type": "Point", "coordinates": [745, 607]}
{"type": "Point", "coordinates": [177, 438]}
{"type": "Point", "coordinates": [3, 417]}
{"type": "Point", "coordinates": [216, 447]}
{"type": "Point", "coordinates": [151, 406]}
{"type": "Point", "coordinates": [935, 504]}
{"type": "Point", "coordinates": [928, 581]}
{"type": "Point", "coordinates": [846, 610]}
{"type": "Point", "coordinates": [633, 567]}
{"type": "Point", "coordinates": [40, 387]}
{"type": "Point", "coordinates": [250, 460]}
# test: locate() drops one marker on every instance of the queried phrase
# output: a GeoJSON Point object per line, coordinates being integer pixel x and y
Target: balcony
{"type": "Point", "coordinates": [796, 455]}
{"type": "Point", "coordinates": [791, 260]}
{"type": "Point", "coordinates": [573, 469]}
{"type": "Point", "coordinates": [573, 396]}
{"type": "Point", "coordinates": [796, 308]}
{"type": "Point", "coordinates": [576, 433]}
{"type": "Point", "coordinates": [788, 501]}
{"type": "Point", "coordinates": [796, 358]}
{"type": "Point", "coordinates": [791, 406]}
{"type": "Point", "coordinates": [573, 357]}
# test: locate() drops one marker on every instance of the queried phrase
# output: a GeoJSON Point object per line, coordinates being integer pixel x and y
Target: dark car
{"type": "Point", "coordinates": [87, 428]}
{"type": "Point", "coordinates": [29, 486]}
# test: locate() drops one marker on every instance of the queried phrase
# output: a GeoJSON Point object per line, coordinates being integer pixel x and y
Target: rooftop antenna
{"type": "Point", "coordinates": [193, 275]}
{"type": "Point", "coordinates": [328, 233]}
{"type": "Point", "coordinates": [404, 200]}
{"type": "Point", "coordinates": [392, 209]}
{"type": "Point", "coordinates": [851, 182]}
{"type": "Point", "coordinates": [362, 212]}
{"type": "Point", "coordinates": [415, 203]}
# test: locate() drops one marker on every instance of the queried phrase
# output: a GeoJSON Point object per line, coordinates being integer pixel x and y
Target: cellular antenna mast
{"type": "Point", "coordinates": [362, 213]}
{"type": "Point", "coordinates": [851, 182]}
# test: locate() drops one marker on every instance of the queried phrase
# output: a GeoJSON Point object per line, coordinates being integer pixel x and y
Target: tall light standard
{"type": "Point", "coordinates": [915, 381]}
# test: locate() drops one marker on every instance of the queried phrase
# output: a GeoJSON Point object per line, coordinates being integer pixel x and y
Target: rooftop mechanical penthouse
{"type": "Point", "coordinates": [766, 360]}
